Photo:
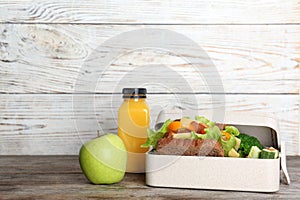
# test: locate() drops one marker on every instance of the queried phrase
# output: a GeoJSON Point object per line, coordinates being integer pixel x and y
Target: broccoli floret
{"type": "Point", "coordinates": [247, 142]}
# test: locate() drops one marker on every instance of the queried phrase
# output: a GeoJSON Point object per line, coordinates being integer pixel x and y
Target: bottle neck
{"type": "Point", "coordinates": [134, 99]}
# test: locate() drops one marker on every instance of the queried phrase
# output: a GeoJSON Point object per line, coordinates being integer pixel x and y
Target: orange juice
{"type": "Point", "coordinates": [133, 121]}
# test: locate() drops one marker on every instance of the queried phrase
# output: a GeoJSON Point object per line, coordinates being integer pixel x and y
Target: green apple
{"type": "Point", "coordinates": [103, 160]}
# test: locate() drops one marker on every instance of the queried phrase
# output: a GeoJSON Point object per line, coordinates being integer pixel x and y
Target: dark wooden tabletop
{"type": "Point", "coordinates": [60, 177]}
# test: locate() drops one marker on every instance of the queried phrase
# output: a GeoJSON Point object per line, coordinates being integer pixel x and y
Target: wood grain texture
{"type": "Point", "coordinates": [50, 50]}
{"type": "Point", "coordinates": [34, 124]}
{"type": "Point", "coordinates": [154, 12]}
{"type": "Point", "coordinates": [60, 177]}
{"type": "Point", "coordinates": [50, 58]}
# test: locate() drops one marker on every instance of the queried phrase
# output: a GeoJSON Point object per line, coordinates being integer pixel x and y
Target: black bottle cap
{"type": "Point", "coordinates": [134, 92]}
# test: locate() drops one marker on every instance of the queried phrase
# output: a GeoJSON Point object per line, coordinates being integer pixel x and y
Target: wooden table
{"type": "Point", "coordinates": [60, 177]}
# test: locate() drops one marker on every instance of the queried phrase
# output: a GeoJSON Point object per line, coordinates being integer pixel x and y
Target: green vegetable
{"type": "Point", "coordinates": [164, 127]}
{"type": "Point", "coordinates": [254, 152]}
{"type": "Point", "coordinates": [211, 124]}
{"type": "Point", "coordinates": [191, 135]}
{"type": "Point", "coordinates": [194, 135]}
{"type": "Point", "coordinates": [202, 119]}
{"type": "Point", "coordinates": [247, 142]}
{"type": "Point", "coordinates": [154, 136]}
{"type": "Point", "coordinates": [201, 136]}
{"type": "Point", "coordinates": [269, 153]}
{"type": "Point", "coordinates": [228, 144]}
{"type": "Point", "coordinates": [232, 130]}
{"type": "Point", "coordinates": [213, 133]}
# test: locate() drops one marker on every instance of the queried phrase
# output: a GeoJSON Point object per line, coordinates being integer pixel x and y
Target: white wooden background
{"type": "Point", "coordinates": [254, 44]}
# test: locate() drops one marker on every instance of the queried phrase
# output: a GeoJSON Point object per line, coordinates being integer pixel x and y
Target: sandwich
{"type": "Point", "coordinates": [202, 137]}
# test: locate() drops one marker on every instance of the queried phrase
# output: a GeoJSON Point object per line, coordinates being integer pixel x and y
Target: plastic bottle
{"type": "Point", "coordinates": [133, 121]}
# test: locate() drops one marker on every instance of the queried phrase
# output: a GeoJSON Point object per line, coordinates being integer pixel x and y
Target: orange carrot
{"type": "Point", "coordinates": [175, 125]}
{"type": "Point", "coordinates": [226, 135]}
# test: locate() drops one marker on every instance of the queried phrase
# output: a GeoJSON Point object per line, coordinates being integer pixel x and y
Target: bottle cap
{"type": "Point", "coordinates": [134, 92]}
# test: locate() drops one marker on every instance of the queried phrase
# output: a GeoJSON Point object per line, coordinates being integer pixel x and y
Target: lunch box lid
{"type": "Point", "coordinates": [265, 127]}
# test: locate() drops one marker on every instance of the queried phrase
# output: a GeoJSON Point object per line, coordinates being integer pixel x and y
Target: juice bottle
{"type": "Point", "coordinates": [133, 121]}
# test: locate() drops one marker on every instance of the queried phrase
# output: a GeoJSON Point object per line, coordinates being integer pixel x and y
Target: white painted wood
{"type": "Point", "coordinates": [58, 124]}
{"type": "Point", "coordinates": [299, 120]}
{"type": "Point", "coordinates": [44, 46]}
{"type": "Point", "coordinates": [249, 58]}
{"type": "Point", "coordinates": [157, 12]}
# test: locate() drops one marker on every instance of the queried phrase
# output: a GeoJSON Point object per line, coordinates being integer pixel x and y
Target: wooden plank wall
{"type": "Point", "coordinates": [44, 45]}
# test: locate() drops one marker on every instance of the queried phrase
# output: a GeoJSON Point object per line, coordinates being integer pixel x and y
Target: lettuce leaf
{"type": "Point", "coordinates": [194, 135]}
{"type": "Point", "coordinates": [213, 132]}
{"type": "Point", "coordinates": [154, 136]}
{"type": "Point", "coordinates": [232, 130]}
{"type": "Point", "coordinates": [227, 145]}
{"type": "Point", "coordinates": [202, 119]}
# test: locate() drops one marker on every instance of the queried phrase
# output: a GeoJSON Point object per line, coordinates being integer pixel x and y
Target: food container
{"type": "Point", "coordinates": [221, 173]}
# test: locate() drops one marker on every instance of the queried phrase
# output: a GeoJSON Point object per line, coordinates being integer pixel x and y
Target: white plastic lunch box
{"type": "Point", "coordinates": [221, 173]}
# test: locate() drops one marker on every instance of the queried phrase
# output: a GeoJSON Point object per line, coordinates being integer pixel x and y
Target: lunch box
{"type": "Point", "coordinates": [221, 173]}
